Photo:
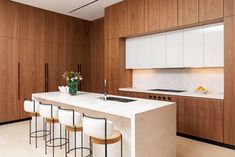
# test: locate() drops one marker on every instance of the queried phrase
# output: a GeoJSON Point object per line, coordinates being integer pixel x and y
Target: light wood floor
{"type": "Point", "coordinates": [14, 143]}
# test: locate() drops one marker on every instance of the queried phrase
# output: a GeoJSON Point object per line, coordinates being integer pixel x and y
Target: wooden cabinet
{"type": "Point", "coordinates": [174, 47]}
{"type": "Point", "coordinates": [137, 16]}
{"type": "Point", "coordinates": [210, 9]}
{"type": "Point", "coordinates": [10, 108]}
{"type": "Point", "coordinates": [200, 118]}
{"type": "Point", "coordinates": [187, 12]}
{"type": "Point", "coordinates": [193, 47]}
{"type": "Point", "coordinates": [152, 15]}
{"type": "Point", "coordinates": [168, 14]}
{"type": "Point", "coordinates": [32, 68]}
{"type": "Point", "coordinates": [56, 28]}
{"type": "Point", "coordinates": [214, 45]}
{"type": "Point", "coordinates": [111, 22]}
{"type": "Point", "coordinates": [229, 81]}
{"type": "Point", "coordinates": [9, 19]}
{"type": "Point", "coordinates": [33, 23]}
{"type": "Point", "coordinates": [123, 19]}
{"type": "Point", "coordinates": [229, 8]}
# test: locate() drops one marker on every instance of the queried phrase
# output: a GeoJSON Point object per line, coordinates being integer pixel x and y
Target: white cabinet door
{"type": "Point", "coordinates": [158, 51]}
{"type": "Point", "coordinates": [138, 53]}
{"type": "Point", "coordinates": [174, 49]}
{"type": "Point", "coordinates": [214, 45]}
{"type": "Point", "coordinates": [193, 47]}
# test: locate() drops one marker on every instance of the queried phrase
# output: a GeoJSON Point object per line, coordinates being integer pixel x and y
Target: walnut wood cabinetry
{"type": "Point", "coordinates": [152, 15]}
{"type": "Point", "coordinates": [210, 9]}
{"type": "Point", "coordinates": [187, 12]}
{"type": "Point", "coordinates": [137, 16]}
{"type": "Point", "coordinates": [200, 117]}
{"type": "Point", "coordinates": [168, 14]}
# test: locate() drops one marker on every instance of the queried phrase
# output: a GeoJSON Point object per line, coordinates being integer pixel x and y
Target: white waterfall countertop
{"type": "Point", "coordinates": [92, 101]}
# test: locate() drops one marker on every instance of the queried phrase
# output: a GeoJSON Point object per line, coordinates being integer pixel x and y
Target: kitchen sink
{"type": "Point", "coordinates": [168, 90]}
{"type": "Point", "coordinates": [118, 99]}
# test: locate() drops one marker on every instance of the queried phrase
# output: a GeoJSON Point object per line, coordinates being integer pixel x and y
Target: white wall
{"type": "Point", "coordinates": [188, 79]}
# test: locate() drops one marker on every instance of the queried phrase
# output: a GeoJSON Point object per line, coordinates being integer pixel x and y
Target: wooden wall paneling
{"type": "Point", "coordinates": [152, 15]}
{"type": "Point", "coordinates": [229, 77]}
{"type": "Point", "coordinates": [56, 27]}
{"type": "Point", "coordinates": [78, 31]}
{"type": "Point", "coordinates": [32, 68]}
{"type": "Point", "coordinates": [123, 19]}
{"type": "Point", "coordinates": [229, 8]}
{"type": "Point", "coordinates": [33, 23]}
{"type": "Point", "coordinates": [188, 12]}
{"type": "Point", "coordinates": [210, 9]}
{"type": "Point", "coordinates": [9, 19]}
{"type": "Point", "coordinates": [111, 22]}
{"type": "Point", "coordinates": [125, 74]}
{"type": "Point", "coordinates": [97, 56]}
{"type": "Point", "coordinates": [168, 14]}
{"type": "Point", "coordinates": [10, 108]}
{"type": "Point", "coordinates": [137, 16]}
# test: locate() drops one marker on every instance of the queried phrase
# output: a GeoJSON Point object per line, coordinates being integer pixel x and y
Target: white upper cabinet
{"type": "Point", "coordinates": [158, 51]}
{"type": "Point", "coordinates": [174, 49]}
{"type": "Point", "coordinates": [214, 45]}
{"type": "Point", "coordinates": [193, 47]}
{"type": "Point", "coordinates": [138, 53]}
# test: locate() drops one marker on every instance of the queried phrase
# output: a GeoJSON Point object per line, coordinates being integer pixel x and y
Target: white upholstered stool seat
{"type": "Point", "coordinates": [31, 107]}
{"type": "Point", "coordinates": [101, 131]}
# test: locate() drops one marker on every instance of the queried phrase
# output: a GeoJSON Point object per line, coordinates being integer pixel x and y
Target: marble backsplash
{"type": "Point", "coordinates": [188, 79]}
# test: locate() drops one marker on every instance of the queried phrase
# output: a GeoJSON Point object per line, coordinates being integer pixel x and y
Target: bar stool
{"type": "Point", "coordinates": [32, 107]}
{"type": "Point", "coordinates": [72, 122]}
{"type": "Point", "coordinates": [50, 114]}
{"type": "Point", "coordinates": [101, 132]}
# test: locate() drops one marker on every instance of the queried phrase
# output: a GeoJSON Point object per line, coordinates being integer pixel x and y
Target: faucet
{"type": "Point", "coordinates": [105, 90]}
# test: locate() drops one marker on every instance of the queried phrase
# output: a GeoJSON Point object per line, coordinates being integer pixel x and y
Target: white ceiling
{"type": "Point", "coordinates": [90, 12]}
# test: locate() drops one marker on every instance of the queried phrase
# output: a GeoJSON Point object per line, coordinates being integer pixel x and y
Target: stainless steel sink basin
{"type": "Point", "coordinates": [119, 99]}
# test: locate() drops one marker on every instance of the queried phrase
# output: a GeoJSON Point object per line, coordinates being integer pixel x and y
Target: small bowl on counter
{"type": "Point", "coordinates": [63, 89]}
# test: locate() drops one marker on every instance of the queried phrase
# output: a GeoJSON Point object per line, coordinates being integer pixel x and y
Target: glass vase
{"type": "Point", "coordinates": [73, 87]}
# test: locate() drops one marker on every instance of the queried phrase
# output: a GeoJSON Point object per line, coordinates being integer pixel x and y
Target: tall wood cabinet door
{"type": "Point", "coordinates": [210, 9]}
{"type": "Point", "coordinates": [9, 104]}
{"type": "Point", "coordinates": [229, 8]}
{"type": "Point", "coordinates": [187, 12]}
{"type": "Point", "coordinates": [137, 16]}
{"type": "Point", "coordinates": [111, 22]}
{"type": "Point", "coordinates": [56, 60]}
{"type": "Point", "coordinates": [152, 15]}
{"type": "Point", "coordinates": [168, 14]}
{"type": "Point", "coordinates": [32, 68]}
{"type": "Point", "coordinates": [123, 19]}
{"type": "Point", "coordinates": [229, 81]}
{"type": "Point", "coordinates": [9, 19]}
{"type": "Point", "coordinates": [33, 23]}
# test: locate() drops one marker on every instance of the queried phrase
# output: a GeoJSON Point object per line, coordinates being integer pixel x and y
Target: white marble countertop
{"type": "Point", "coordinates": [91, 101]}
{"type": "Point", "coordinates": [189, 94]}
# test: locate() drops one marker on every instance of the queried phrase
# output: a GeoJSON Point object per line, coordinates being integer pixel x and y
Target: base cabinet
{"type": "Point", "coordinates": [200, 118]}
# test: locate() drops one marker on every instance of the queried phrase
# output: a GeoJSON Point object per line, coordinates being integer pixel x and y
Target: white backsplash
{"type": "Point", "coordinates": [188, 79]}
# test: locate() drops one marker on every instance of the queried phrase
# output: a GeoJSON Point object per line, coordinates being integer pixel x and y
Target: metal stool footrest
{"type": "Point", "coordinates": [44, 132]}
{"type": "Point", "coordinates": [82, 149]}
{"type": "Point", "coordinates": [66, 141]}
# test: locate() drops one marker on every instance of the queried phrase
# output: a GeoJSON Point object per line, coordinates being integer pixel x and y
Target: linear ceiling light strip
{"type": "Point", "coordinates": [83, 6]}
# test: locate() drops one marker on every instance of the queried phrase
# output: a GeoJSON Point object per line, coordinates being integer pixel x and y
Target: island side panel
{"type": "Point", "coordinates": [155, 132]}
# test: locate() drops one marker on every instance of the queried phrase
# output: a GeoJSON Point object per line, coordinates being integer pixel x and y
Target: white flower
{"type": "Point", "coordinates": [76, 78]}
{"type": "Point", "coordinates": [72, 79]}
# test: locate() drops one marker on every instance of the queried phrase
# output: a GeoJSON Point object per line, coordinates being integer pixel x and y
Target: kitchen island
{"type": "Point", "coordinates": [148, 126]}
